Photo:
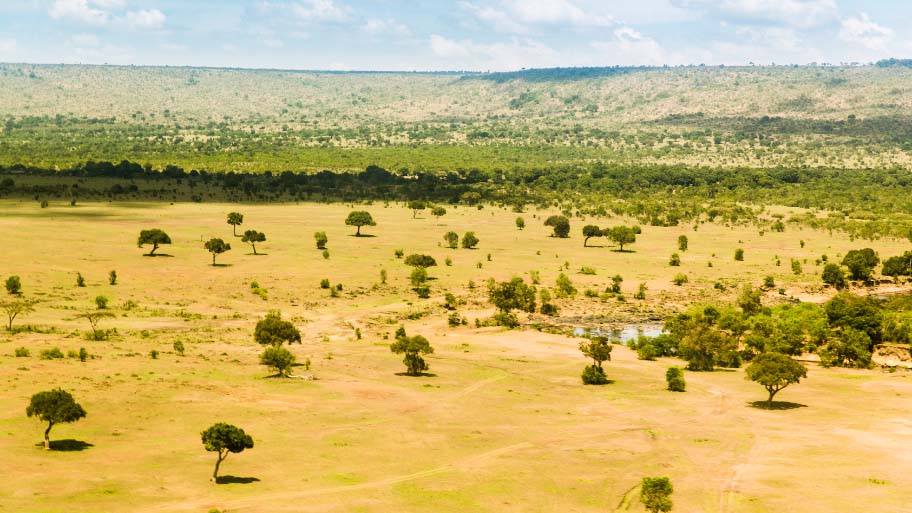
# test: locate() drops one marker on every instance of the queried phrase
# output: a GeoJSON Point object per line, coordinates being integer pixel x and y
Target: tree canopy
{"type": "Point", "coordinates": [272, 330]}
{"type": "Point", "coordinates": [216, 247]}
{"type": "Point", "coordinates": [775, 371]}
{"type": "Point", "coordinates": [155, 237]}
{"type": "Point", "coordinates": [359, 218]}
{"type": "Point", "coordinates": [54, 407]}
{"type": "Point", "coordinates": [560, 226]}
{"type": "Point", "coordinates": [224, 439]}
{"type": "Point", "coordinates": [513, 295]}
{"type": "Point", "coordinates": [621, 235]}
{"type": "Point", "coordinates": [252, 237]}
{"type": "Point", "coordinates": [413, 347]}
{"type": "Point", "coordinates": [235, 219]}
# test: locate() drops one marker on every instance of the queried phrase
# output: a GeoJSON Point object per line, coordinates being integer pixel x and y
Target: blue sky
{"type": "Point", "coordinates": [451, 34]}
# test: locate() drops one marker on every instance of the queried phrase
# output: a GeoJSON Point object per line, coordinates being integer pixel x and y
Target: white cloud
{"type": "Point", "coordinates": [376, 26]}
{"type": "Point", "coordinates": [320, 10]}
{"type": "Point", "coordinates": [796, 13]}
{"type": "Point", "coordinates": [80, 10]}
{"type": "Point", "coordinates": [517, 16]}
{"type": "Point", "coordinates": [863, 31]}
{"type": "Point", "coordinates": [510, 55]}
{"type": "Point", "coordinates": [146, 18]}
{"type": "Point", "coordinates": [630, 48]}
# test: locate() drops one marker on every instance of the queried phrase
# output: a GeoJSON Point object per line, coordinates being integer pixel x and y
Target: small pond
{"type": "Point", "coordinates": [623, 334]}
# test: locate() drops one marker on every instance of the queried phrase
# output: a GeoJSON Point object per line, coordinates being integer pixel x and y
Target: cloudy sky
{"type": "Point", "coordinates": [452, 34]}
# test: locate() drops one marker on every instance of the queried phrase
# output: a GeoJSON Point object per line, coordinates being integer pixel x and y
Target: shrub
{"type": "Point", "coordinates": [565, 287]}
{"type": "Point", "coordinates": [680, 279]}
{"type": "Point", "coordinates": [83, 354]}
{"type": "Point", "coordinates": [448, 261]}
{"type": "Point", "coordinates": [593, 375]}
{"type": "Point", "coordinates": [549, 309]}
{"type": "Point", "coordinates": [416, 260]}
{"type": "Point", "coordinates": [80, 281]}
{"type": "Point", "coordinates": [101, 302]}
{"type": "Point", "coordinates": [321, 239]}
{"type": "Point", "coordinates": [178, 347]}
{"type": "Point", "coordinates": [278, 358]}
{"type": "Point", "coordinates": [324, 283]}
{"type": "Point", "coordinates": [674, 376]}
{"type": "Point", "coordinates": [153, 354]}
{"type": "Point", "coordinates": [506, 319]}
{"type": "Point", "coordinates": [383, 276]}
{"type": "Point", "coordinates": [769, 282]}
{"type": "Point", "coordinates": [682, 242]}
{"type": "Point", "coordinates": [641, 292]}
{"type": "Point", "coordinates": [423, 291]}
{"type": "Point", "coordinates": [453, 320]}
{"type": "Point", "coordinates": [399, 253]}
{"type": "Point", "coordinates": [675, 260]}
{"type": "Point", "coordinates": [452, 239]}
{"type": "Point", "coordinates": [22, 352]}
{"type": "Point", "coordinates": [520, 223]}
{"type": "Point", "coordinates": [739, 254]}
{"type": "Point", "coordinates": [13, 285]}
{"type": "Point", "coordinates": [449, 301]}
{"type": "Point", "coordinates": [51, 354]}
{"type": "Point", "coordinates": [112, 277]}
{"type": "Point", "coordinates": [418, 276]}
{"type": "Point", "coordinates": [469, 241]}
{"type": "Point", "coordinates": [587, 270]}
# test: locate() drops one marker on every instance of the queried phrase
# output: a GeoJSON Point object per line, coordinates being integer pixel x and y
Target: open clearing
{"type": "Point", "coordinates": [503, 425]}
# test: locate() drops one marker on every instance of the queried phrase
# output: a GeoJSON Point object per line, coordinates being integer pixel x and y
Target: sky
{"type": "Point", "coordinates": [480, 35]}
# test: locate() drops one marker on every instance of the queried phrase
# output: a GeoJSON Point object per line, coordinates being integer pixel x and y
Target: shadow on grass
{"type": "Point", "coordinates": [164, 255]}
{"type": "Point", "coordinates": [623, 251]}
{"type": "Point", "coordinates": [68, 445]}
{"type": "Point", "coordinates": [257, 254]}
{"type": "Point", "coordinates": [363, 235]}
{"type": "Point", "coordinates": [222, 265]}
{"type": "Point", "coordinates": [608, 382]}
{"type": "Point", "coordinates": [775, 405]}
{"type": "Point", "coordinates": [235, 480]}
{"type": "Point", "coordinates": [421, 375]}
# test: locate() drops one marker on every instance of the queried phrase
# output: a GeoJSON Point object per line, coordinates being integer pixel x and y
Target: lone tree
{"type": "Point", "coordinates": [359, 218]}
{"type": "Point", "coordinates": [861, 263]}
{"type": "Point", "coordinates": [272, 330]}
{"type": "Point", "coordinates": [413, 347]}
{"type": "Point", "coordinates": [513, 295]}
{"type": "Point", "coordinates": [469, 240]}
{"type": "Point", "coordinates": [589, 231]}
{"type": "Point", "coordinates": [216, 247]}
{"type": "Point", "coordinates": [775, 371]}
{"type": "Point", "coordinates": [54, 407]}
{"type": "Point", "coordinates": [452, 239]}
{"type": "Point", "coordinates": [415, 206]}
{"type": "Point", "coordinates": [674, 376]}
{"type": "Point", "coordinates": [224, 439]}
{"type": "Point", "coordinates": [155, 237]}
{"type": "Point", "coordinates": [438, 212]}
{"type": "Point", "coordinates": [520, 223]}
{"type": "Point", "coordinates": [621, 235]}
{"type": "Point", "coordinates": [682, 242]}
{"type": "Point", "coordinates": [252, 237]}
{"type": "Point", "coordinates": [321, 239]}
{"type": "Point", "coordinates": [599, 349]}
{"type": "Point", "coordinates": [560, 226]}
{"type": "Point", "coordinates": [94, 318]}
{"type": "Point", "coordinates": [655, 494]}
{"type": "Point", "coordinates": [278, 358]}
{"type": "Point", "coordinates": [235, 219]}
{"type": "Point", "coordinates": [13, 285]}
{"type": "Point", "coordinates": [15, 308]}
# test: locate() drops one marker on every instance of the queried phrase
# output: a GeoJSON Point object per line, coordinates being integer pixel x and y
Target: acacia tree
{"type": "Point", "coordinates": [94, 317]}
{"type": "Point", "coordinates": [15, 308]}
{"type": "Point", "coordinates": [252, 237]}
{"type": "Point", "coordinates": [235, 219]}
{"type": "Point", "coordinates": [155, 237]}
{"type": "Point", "coordinates": [438, 212]}
{"type": "Point", "coordinates": [560, 226]}
{"type": "Point", "coordinates": [359, 218]}
{"type": "Point", "coordinates": [589, 231]}
{"type": "Point", "coordinates": [520, 223]}
{"type": "Point", "coordinates": [775, 371]}
{"type": "Point", "coordinates": [272, 330]}
{"type": "Point", "coordinates": [415, 206]}
{"type": "Point", "coordinates": [599, 349]}
{"type": "Point", "coordinates": [278, 358]}
{"type": "Point", "coordinates": [622, 235]}
{"type": "Point", "coordinates": [416, 260]}
{"type": "Point", "coordinates": [413, 348]}
{"type": "Point", "coordinates": [54, 407]}
{"type": "Point", "coordinates": [216, 247]}
{"type": "Point", "coordinates": [225, 439]}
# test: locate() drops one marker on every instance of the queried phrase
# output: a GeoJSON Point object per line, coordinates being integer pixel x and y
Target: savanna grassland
{"type": "Point", "coordinates": [502, 424]}
{"type": "Point", "coordinates": [754, 222]}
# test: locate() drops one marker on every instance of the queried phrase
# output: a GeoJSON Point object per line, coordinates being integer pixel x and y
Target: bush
{"type": "Point", "coordinates": [469, 241]}
{"type": "Point", "coordinates": [675, 260]}
{"type": "Point", "coordinates": [101, 302]}
{"type": "Point", "coordinates": [680, 279]}
{"type": "Point", "coordinates": [278, 358]}
{"type": "Point", "coordinates": [739, 255]}
{"type": "Point", "coordinates": [565, 287]}
{"type": "Point", "coordinates": [399, 253]}
{"type": "Point", "coordinates": [423, 291]}
{"type": "Point", "coordinates": [416, 260]}
{"type": "Point", "coordinates": [153, 354]}
{"type": "Point", "coordinates": [178, 347]}
{"type": "Point", "coordinates": [324, 283]}
{"type": "Point", "coordinates": [549, 309]}
{"type": "Point", "coordinates": [448, 261]}
{"type": "Point", "coordinates": [449, 301]}
{"type": "Point", "coordinates": [51, 354]}
{"type": "Point", "coordinates": [506, 319]}
{"type": "Point", "coordinates": [22, 352]}
{"type": "Point", "coordinates": [112, 277]}
{"type": "Point", "coordinates": [641, 292]}
{"type": "Point", "coordinates": [453, 320]}
{"type": "Point", "coordinates": [452, 239]}
{"type": "Point", "coordinates": [80, 281]}
{"type": "Point", "coordinates": [321, 239]}
{"type": "Point", "coordinates": [418, 276]}
{"type": "Point", "coordinates": [769, 282]}
{"type": "Point", "coordinates": [675, 378]}
{"type": "Point", "coordinates": [13, 285]}
{"type": "Point", "coordinates": [593, 375]}
{"type": "Point", "coordinates": [647, 351]}
{"type": "Point", "coordinates": [587, 270]}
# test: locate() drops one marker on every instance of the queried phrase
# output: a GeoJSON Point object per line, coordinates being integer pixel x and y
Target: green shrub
{"type": "Point", "coordinates": [101, 302]}
{"type": "Point", "coordinates": [739, 255]}
{"type": "Point", "coordinates": [22, 352]}
{"type": "Point", "coordinates": [80, 281]}
{"type": "Point", "coordinates": [593, 375]}
{"type": "Point", "coordinates": [587, 270]}
{"type": "Point", "coordinates": [680, 279]}
{"type": "Point", "coordinates": [112, 277]}
{"type": "Point", "coordinates": [506, 319]}
{"type": "Point", "coordinates": [51, 354]}
{"type": "Point", "coordinates": [153, 354]}
{"type": "Point", "coordinates": [675, 260]}
{"type": "Point", "coordinates": [178, 347]}
{"type": "Point", "coordinates": [13, 285]}
{"type": "Point", "coordinates": [324, 283]}
{"type": "Point", "coordinates": [674, 376]}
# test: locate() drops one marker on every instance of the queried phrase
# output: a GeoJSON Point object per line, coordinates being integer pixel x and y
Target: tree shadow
{"type": "Point", "coordinates": [595, 246]}
{"type": "Point", "coordinates": [776, 405]}
{"type": "Point", "coordinates": [164, 255]}
{"type": "Point", "coordinates": [363, 235]}
{"type": "Point", "coordinates": [222, 265]}
{"type": "Point", "coordinates": [68, 445]}
{"type": "Point", "coordinates": [420, 375]}
{"type": "Point", "coordinates": [235, 480]}
{"type": "Point", "coordinates": [257, 254]}
{"type": "Point", "coordinates": [623, 251]}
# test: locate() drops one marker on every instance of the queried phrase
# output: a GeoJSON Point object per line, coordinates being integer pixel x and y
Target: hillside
{"type": "Point", "coordinates": [227, 119]}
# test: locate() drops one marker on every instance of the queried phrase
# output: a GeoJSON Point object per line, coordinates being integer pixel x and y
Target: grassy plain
{"type": "Point", "coordinates": [503, 425]}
